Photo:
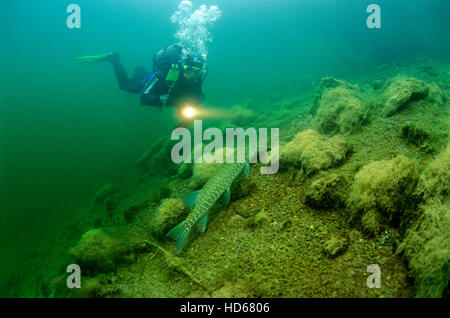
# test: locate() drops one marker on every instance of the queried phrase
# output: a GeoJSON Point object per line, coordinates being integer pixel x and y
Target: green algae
{"type": "Point", "coordinates": [98, 252]}
{"type": "Point", "coordinates": [427, 247]}
{"type": "Point", "coordinates": [289, 235]}
{"type": "Point", "coordinates": [340, 111]}
{"type": "Point", "coordinates": [312, 152]}
{"type": "Point", "coordinates": [401, 92]}
{"type": "Point", "coordinates": [326, 192]}
{"type": "Point", "coordinates": [382, 187]}
{"type": "Point", "coordinates": [170, 212]}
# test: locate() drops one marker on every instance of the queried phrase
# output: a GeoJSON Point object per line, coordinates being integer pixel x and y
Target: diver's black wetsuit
{"type": "Point", "coordinates": [152, 87]}
{"type": "Point", "coordinates": [132, 85]}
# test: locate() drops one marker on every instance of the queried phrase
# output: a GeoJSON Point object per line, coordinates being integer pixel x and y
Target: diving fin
{"type": "Point", "coordinates": [108, 56]}
{"type": "Point", "coordinates": [180, 234]}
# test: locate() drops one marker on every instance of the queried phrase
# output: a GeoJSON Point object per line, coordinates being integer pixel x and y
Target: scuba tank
{"type": "Point", "coordinates": [167, 62]}
{"type": "Point", "coordinates": [163, 60]}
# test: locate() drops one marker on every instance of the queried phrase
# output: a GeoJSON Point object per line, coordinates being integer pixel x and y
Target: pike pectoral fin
{"type": "Point", "coordinates": [247, 170]}
{"type": "Point", "coordinates": [226, 197]}
{"type": "Point", "coordinates": [190, 198]}
{"type": "Point", "coordinates": [201, 225]}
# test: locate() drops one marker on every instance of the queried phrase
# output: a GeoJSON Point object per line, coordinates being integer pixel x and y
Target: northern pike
{"type": "Point", "coordinates": [201, 201]}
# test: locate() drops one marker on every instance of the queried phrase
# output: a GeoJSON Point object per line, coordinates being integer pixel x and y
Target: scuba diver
{"type": "Point", "coordinates": [176, 79]}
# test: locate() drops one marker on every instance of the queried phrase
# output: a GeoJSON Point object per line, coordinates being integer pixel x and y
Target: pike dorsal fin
{"type": "Point", "coordinates": [190, 198]}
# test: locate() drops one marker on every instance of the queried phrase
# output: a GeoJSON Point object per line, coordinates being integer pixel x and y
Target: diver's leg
{"type": "Point", "coordinates": [131, 85]}
{"type": "Point", "coordinates": [121, 73]}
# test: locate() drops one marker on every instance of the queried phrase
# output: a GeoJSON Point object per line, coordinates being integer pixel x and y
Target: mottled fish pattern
{"type": "Point", "coordinates": [214, 188]}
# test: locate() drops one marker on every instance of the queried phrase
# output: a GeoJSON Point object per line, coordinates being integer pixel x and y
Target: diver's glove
{"type": "Point", "coordinates": [163, 99]}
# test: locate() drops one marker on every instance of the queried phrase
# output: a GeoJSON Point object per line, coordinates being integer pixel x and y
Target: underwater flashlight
{"type": "Point", "coordinates": [189, 112]}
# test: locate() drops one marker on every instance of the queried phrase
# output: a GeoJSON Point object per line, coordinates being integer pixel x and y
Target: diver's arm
{"type": "Point", "coordinates": [151, 100]}
{"type": "Point", "coordinates": [153, 94]}
{"type": "Point", "coordinates": [199, 95]}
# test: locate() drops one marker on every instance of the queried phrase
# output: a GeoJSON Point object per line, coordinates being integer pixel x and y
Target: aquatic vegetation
{"type": "Point", "coordinates": [157, 159]}
{"type": "Point", "coordinates": [242, 116]}
{"type": "Point", "coordinates": [174, 263]}
{"type": "Point", "coordinates": [373, 223]}
{"type": "Point", "coordinates": [96, 287]}
{"type": "Point", "coordinates": [104, 192]}
{"type": "Point", "coordinates": [313, 152]}
{"type": "Point", "coordinates": [98, 252]}
{"type": "Point", "coordinates": [130, 213]}
{"type": "Point", "coordinates": [169, 213]}
{"type": "Point", "coordinates": [340, 111]}
{"type": "Point", "coordinates": [401, 92]}
{"type": "Point", "coordinates": [336, 245]}
{"type": "Point", "coordinates": [184, 171]}
{"type": "Point", "coordinates": [426, 246]}
{"type": "Point", "coordinates": [258, 219]}
{"type": "Point", "coordinates": [414, 135]}
{"type": "Point", "coordinates": [326, 192]}
{"type": "Point", "coordinates": [434, 182]}
{"type": "Point", "coordinates": [382, 189]}
{"type": "Point", "coordinates": [326, 84]}
{"type": "Point", "coordinates": [359, 146]}
{"type": "Point", "coordinates": [437, 95]}
{"type": "Point", "coordinates": [379, 84]}
{"type": "Point", "coordinates": [428, 69]}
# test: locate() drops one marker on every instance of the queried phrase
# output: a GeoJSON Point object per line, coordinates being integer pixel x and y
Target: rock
{"type": "Point", "coordinates": [326, 84]}
{"type": "Point", "coordinates": [378, 84]}
{"type": "Point", "coordinates": [242, 116]}
{"type": "Point", "coordinates": [184, 171]}
{"type": "Point", "coordinates": [383, 187]}
{"type": "Point", "coordinates": [426, 246]}
{"type": "Point", "coordinates": [326, 192]}
{"type": "Point", "coordinates": [372, 223]}
{"type": "Point", "coordinates": [312, 152]}
{"type": "Point", "coordinates": [261, 218]}
{"type": "Point", "coordinates": [169, 213]}
{"type": "Point", "coordinates": [229, 290]}
{"type": "Point", "coordinates": [434, 182]}
{"type": "Point", "coordinates": [340, 111]}
{"type": "Point", "coordinates": [401, 92]}
{"type": "Point", "coordinates": [104, 192]}
{"type": "Point", "coordinates": [98, 252]}
{"type": "Point", "coordinates": [437, 95]}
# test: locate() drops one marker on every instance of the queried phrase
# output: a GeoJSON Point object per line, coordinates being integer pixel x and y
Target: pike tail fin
{"type": "Point", "coordinates": [180, 234]}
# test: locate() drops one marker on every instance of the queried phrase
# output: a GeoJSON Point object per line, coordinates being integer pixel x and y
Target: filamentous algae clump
{"type": "Point", "coordinates": [312, 152]}
{"type": "Point", "coordinates": [383, 189]}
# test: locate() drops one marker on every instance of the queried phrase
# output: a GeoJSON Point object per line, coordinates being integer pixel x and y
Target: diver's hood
{"type": "Point", "coordinates": [196, 60]}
